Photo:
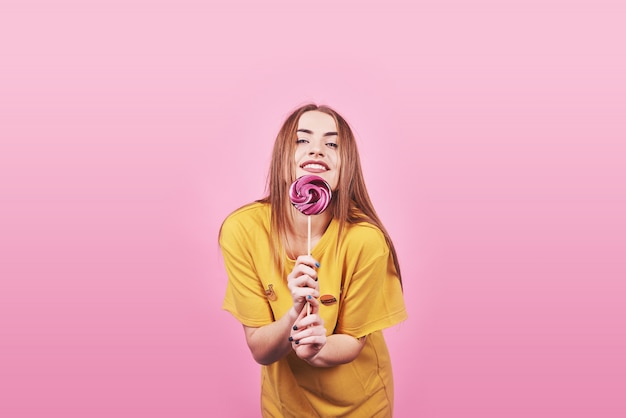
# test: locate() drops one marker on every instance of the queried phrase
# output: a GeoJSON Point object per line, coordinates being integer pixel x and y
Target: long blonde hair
{"type": "Point", "coordinates": [350, 203]}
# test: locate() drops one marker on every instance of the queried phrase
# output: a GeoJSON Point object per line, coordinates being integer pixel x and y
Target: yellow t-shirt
{"type": "Point", "coordinates": [358, 272]}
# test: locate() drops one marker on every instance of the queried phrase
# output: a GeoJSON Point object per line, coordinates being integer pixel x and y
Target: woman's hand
{"type": "Point", "coordinates": [302, 281]}
{"type": "Point", "coordinates": [308, 335]}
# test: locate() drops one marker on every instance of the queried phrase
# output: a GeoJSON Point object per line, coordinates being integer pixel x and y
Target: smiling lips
{"type": "Point", "coordinates": [314, 166]}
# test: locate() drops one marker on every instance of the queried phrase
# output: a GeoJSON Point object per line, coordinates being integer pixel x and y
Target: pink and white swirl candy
{"type": "Point", "coordinates": [310, 194]}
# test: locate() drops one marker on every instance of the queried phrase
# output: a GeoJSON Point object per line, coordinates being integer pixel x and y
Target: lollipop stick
{"type": "Point", "coordinates": [308, 241]}
{"type": "Point", "coordinates": [308, 252]}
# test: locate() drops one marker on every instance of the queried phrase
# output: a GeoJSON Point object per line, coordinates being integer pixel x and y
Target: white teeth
{"type": "Point", "coordinates": [315, 166]}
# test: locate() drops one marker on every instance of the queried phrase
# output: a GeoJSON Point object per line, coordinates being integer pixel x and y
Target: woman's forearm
{"type": "Point", "coordinates": [270, 343]}
{"type": "Point", "coordinates": [339, 349]}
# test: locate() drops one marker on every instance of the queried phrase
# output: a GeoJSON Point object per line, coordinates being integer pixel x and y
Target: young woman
{"type": "Point", "coordinates": [334, 361]}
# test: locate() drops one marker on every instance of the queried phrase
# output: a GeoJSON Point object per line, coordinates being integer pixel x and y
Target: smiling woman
{"type": "Point", "coordinates": [333, 361]}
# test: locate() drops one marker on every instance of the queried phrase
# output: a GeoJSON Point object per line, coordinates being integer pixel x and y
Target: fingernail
{"type": "Point", "coordinates": [309, 297]}
{"type": "Point", "coordinates": [317, 264]}
{"type": "Point", "coordinates": [290, 339]}
{"type": "Point", "coordinates": [297, 341]}
{"type": "Point", "coordinates": [295, 327]}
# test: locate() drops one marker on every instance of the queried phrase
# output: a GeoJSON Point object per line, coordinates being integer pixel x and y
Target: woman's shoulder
{"type": "Point", "coordinates": [365, 235]}
{"type": "Point", "coordinates": [361, 226]}
{"type": "Point", "coordinates": [364, 227]}
{"type": "Point", "coordinates": [254, 209]}
{"type": "Point", "coordinates": [248, 217]}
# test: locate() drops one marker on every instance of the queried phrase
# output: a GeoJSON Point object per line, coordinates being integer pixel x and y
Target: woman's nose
{"type": "Point", "coordinates": [316, 149]}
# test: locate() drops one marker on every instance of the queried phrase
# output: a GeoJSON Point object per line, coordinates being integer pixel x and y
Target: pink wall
{"type": "Point", "coordinates": [493, 141]}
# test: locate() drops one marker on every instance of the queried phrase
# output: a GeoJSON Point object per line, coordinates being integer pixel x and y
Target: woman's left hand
{"type": "Point", "coordinates": [308, 335]}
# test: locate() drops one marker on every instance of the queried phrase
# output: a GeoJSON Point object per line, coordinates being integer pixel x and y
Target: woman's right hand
{"type": "Point", "coordinates": [302, 281]}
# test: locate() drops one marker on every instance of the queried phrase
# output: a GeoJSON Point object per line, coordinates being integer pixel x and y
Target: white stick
{"type": "Point", "coordinates": [308, 251]}
{"type": "Point", "coordinates": [308, 241]}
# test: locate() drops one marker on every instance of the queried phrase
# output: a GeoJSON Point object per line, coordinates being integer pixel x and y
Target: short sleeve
{"type": "Point", "coordinates": [245, 297]}
{"type": "Point", "coordinates": [372, 295]}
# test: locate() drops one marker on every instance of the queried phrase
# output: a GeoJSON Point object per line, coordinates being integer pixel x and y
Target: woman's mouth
{"type": "Point", "coordinates": [314, 166]}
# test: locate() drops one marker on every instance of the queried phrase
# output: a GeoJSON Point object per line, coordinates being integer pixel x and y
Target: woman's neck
{"type": "Point", "coordinates": [297, 235]}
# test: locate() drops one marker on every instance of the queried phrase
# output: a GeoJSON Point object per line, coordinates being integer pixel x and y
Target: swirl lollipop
{"type": "Point", "coordinates": [310, 195]}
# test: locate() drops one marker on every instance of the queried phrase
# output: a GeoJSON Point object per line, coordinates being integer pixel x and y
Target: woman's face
{"type": "Point", "coordinates": [317, 147]}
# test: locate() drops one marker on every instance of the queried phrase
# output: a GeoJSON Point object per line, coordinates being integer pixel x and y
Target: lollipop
{"type": "Point", "coordinates": [311, 196]}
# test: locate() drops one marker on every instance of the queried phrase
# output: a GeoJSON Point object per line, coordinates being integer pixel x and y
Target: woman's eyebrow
{"type": "Point", "coordinates": [310, 132]}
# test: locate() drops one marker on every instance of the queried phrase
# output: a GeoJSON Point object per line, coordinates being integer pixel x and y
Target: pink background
{"type": "Point", "coordinates": [492, 135]}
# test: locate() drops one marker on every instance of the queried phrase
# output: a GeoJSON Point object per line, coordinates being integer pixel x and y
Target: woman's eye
{"type": "Point", "coordinates": [301, 141]}
{"type": "Point", "coordinates": [332, 144]}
